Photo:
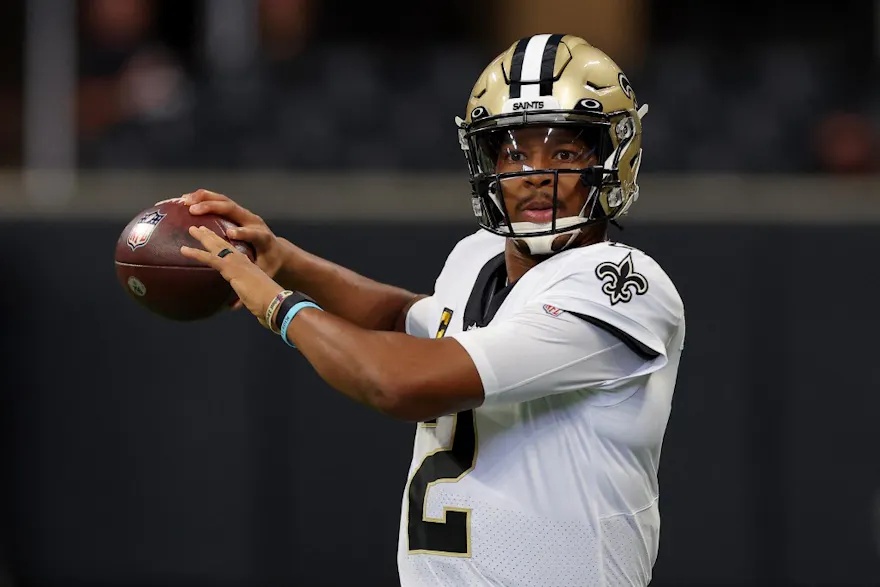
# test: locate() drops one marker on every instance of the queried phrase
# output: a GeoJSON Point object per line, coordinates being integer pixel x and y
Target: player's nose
{"type": "Point", "coordinates": [539, 181]}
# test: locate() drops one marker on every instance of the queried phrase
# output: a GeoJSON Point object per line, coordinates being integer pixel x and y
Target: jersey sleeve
{"type": "Point", "coordinates": [540, 352]}
{"type": "Point", "coordinates": [623, 291]}
{"type": "Point", "coordinates": [426, 318]}
{"type": "Point", "coordinates": [422, 319]}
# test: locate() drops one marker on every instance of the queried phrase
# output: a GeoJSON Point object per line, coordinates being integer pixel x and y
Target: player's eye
{"type": "Point", "coordinates": [566, 155]}
{"type": "Point", "coordinates": [514, 156]}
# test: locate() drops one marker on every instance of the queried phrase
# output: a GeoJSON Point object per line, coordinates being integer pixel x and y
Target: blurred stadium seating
{"type": "Point", "coordinates": [757, 89]}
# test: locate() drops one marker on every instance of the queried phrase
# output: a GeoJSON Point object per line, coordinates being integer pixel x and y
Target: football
{"type": "Point", "coordinates": [157, 276]}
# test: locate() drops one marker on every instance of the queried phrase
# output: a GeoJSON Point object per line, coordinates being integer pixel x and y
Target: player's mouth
{"type": "Point", "coordinates": [538, 212]}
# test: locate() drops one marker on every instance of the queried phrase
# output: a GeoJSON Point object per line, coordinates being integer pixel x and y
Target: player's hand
{"type": "Point", "coordinates": [269, 249]}
{"type": "Point", "coordinates": [254, 287]}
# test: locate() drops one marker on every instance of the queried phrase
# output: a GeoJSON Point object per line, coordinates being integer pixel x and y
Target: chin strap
{"type": "Point", "coordinates": [543, 245]}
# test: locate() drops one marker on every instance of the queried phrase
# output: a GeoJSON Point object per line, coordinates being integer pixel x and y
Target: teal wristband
{"type": "Point", "coordinates": [293, 311]}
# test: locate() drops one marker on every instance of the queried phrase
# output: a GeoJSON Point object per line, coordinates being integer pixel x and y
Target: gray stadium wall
{"type": "Point", "coordinates": [140, 451]}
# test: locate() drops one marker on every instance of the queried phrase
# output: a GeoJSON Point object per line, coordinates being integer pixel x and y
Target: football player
{"type": "Point", "coordinates": [541, 369]}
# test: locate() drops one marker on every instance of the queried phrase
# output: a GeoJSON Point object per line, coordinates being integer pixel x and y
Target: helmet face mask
{"type": "Point", "coordinates": [545, 90]}
{"type": "Point", "coordinates": [518, 170]}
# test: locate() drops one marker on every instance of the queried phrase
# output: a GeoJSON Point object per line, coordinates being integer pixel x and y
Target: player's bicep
{"type": "Point", "coordinates": [537, 353]}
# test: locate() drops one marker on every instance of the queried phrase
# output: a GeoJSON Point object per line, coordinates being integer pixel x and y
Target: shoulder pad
{"type": "Point", "coordinates": [620, 286]}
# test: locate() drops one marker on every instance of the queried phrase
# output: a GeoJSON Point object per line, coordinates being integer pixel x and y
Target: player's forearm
{"type": "Point", "coordinates": [340, 291]}
{"type": "Point", "coordinates": [400, 375]}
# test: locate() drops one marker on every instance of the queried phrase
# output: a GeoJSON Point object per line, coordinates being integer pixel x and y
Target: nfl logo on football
{"type": "Point", "coordinates": [140, 232]}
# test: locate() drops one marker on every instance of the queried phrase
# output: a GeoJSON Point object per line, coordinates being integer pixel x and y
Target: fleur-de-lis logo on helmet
{"type": "Point", "coordinates": [621, 280]}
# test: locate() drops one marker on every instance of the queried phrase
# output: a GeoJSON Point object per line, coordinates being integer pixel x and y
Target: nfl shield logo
{"type": "Point", "coordinates": [552, 310]}
{"type": "Point", "coordinates": [140, 232]}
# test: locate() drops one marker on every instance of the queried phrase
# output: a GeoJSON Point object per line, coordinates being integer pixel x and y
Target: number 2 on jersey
{"type": "Point", "coordinates": [449, 535]}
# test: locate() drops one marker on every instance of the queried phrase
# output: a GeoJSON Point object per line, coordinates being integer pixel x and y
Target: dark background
{"type": "Point", "coordinates": [141, 451]}
{"type": "Point", "coordinates": [756, 86]}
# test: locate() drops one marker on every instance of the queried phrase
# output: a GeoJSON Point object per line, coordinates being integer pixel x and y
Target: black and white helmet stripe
{"type": "Point", "coordinates": [532, 65]}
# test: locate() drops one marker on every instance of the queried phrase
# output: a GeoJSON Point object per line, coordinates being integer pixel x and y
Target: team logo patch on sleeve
{"type": "Point", "coordinates": [553, 310]}
{"type": "Point", "coordinates": [445, 319]}
{"type": "Point", "coordinates": [621, 280]}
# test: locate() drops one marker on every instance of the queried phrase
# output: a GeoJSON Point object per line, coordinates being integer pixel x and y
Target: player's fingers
{"type": "Point", "coordinates": [221, 207]}
{"type": "Point", "coordinates": [199, 255]}
{"type": "Point", "coordinates": [204, 196]}
{"type": "Point", "coordinates": [228, 209]}
{"type": "Point", "coordinates": [257, 236]}
{"type": "Point", "coordinates": [209, 239]}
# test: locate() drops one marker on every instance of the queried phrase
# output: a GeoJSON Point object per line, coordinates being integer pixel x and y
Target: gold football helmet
{"type": "Point", "coordinates": [556, 83]}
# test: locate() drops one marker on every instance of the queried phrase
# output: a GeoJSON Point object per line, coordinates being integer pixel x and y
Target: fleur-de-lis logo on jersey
{"type": "Point", "coordinates": [621, 280]}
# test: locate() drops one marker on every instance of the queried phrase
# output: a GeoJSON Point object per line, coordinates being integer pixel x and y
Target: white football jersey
{"type": "Point", "coordinates": [553, 480]}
